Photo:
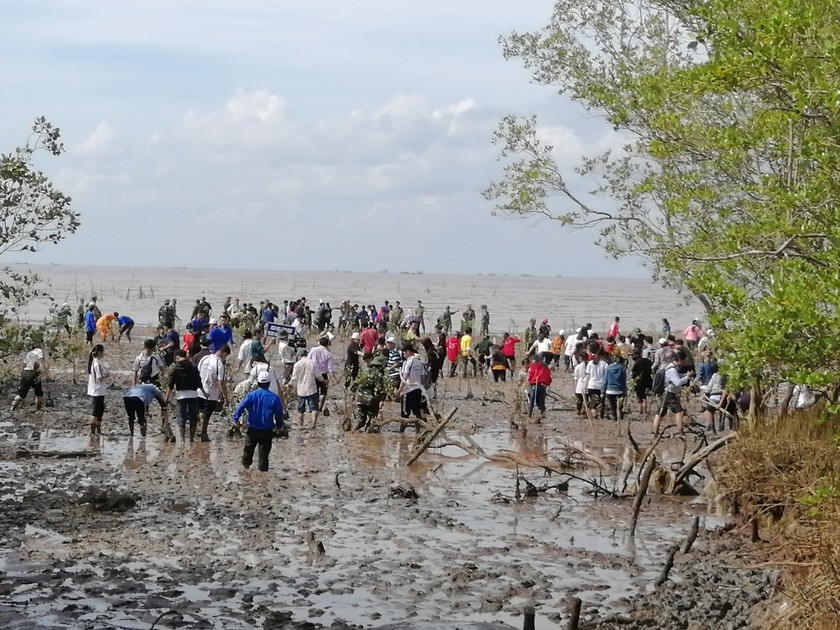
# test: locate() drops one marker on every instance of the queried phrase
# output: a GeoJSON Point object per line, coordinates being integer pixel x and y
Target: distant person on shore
{"type": "Point", "coordinates": [484, 329]}
{"type": "Point", "coordinates": [530, 335]}
{"type": "Point", "coordinates": [97, 387]}
{"type": "Point", "coordinates": [31, 377]}
{"type": "Point", "coordinates": [666, 327]}
{"type": "Point", "coordinates": [420, 314]}
{"type": "Point", "coordinates": [81, 311]}
{"type": "Point", "coordinates": [90, 324]}
{"type": "Point", "coordinates": [126, 325]}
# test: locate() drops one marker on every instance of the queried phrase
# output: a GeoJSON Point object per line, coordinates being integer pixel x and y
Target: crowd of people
{"type": "Point", "coordinates": [253, 359]}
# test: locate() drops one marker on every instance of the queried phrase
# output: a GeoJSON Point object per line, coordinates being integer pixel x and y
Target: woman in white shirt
{"type": "Point", "coordinates": [97, 386]}
{"type": "Point", "coordinates": [581, 380]}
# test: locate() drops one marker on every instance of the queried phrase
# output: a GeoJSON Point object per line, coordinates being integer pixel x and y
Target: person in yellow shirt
{"type": "Point", "coordinates": [103, 325]}
{"type": "Point", "coordinates": [557, 346]}
{"type": "Point", "coordinates": [467, 352]}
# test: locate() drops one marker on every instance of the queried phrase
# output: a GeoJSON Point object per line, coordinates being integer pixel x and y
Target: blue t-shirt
{"type": "Point", "coordinates": [228, 333]}
{"type": "Point", "coordinates": [264, 409]}
{"type": "Point", "coordinates": [147, 393]}
{"type": "Point", "coordinates": [90, 321]}
{"type": "Point", "coordinates": [268, 316]}
{"type": "Point", "coordinates": [217, 338]}
{"type": "Point", "coordinates": [124, 320]}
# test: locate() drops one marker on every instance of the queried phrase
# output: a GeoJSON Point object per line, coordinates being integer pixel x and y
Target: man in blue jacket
{"type": "Point", "coordinates": [265, 414]}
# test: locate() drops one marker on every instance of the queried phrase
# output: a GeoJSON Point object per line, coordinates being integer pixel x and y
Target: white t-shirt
{"type": "Point", "coordinates": [96, 379]}
{"type": "Point", "coordinates": [580, 378]}
{"type": "Point", "coordinates": [597, 373]}
{"type": "Point", "coordinates": [411, 375]}
{"type": "Point", "coordinates": [245, 355]}
{"type": "Point", "coordinates": [287, 352]}
{"type": "Point", "coordinates": [304, 375]}
{"type": "Point", "coordinates": [32, 357]}
{"type": "Point", "coordinates": [259, 368]}
{"type": "Point", "coordinates": [143, 359]}
{"type": "Point", "coordinates": [212, 371]}
{"type": "Point", "coordinates": [541, 346]}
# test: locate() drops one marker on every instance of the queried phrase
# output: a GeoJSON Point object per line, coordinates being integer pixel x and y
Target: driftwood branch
{"type": "Point", "coordinates": [698, 457]}
{"type": "Point", "coordinates": [25, 454]}
{"type": "Point", "coordinates": [641, 491]}
{"type": "Point", "coordinates": [431, 437]}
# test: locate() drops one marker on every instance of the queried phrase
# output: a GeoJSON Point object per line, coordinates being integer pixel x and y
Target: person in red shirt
{"type": "Point", "coordinates": [367, 340]}
{"type": "Point", "coordinates": [453, 350]}
{"type": "Point", "coordinates": [509, 349]}
{"type": "Point", "coordinates": [539, 378]}
{"type": "Point", "coordinates": [613, 332]}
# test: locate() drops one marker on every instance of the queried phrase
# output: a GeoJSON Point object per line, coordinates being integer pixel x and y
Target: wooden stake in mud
{"type": "Point", "coordinates": [692, 534]}
{"type": "Point", "coordinates": [528, 621]}
{"type": "Point", "coordinates": [431, 436]}
{"type": "Point", "coordinates": [669, 564]}
{"type": "Point", "coordinates": [640, 493]}
{"type": "Point", "coordinates": [574, 619]}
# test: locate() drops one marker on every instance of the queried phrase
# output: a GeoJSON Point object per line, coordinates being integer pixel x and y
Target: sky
{"type": "Point", "coordinates": [329, 135]}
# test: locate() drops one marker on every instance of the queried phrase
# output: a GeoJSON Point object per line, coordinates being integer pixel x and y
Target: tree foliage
{"type": "Point", "coordinates": [727, 183]}
{"type": "Point", "coordinates": [32, 211]}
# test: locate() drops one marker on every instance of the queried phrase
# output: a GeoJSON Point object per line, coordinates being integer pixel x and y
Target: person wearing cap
{"type": "Point", "coordinates": [260, 366]}
{"type": "Point", "coordinates": [31, 377]}
{"type": "Point", "coordinates": [372, 387]}
{"type": "Point", "coordinates": [395, 359]}
{"type": "Point", "coordinates": [137, 400]}
{"type": "Point", "coordinates": [351, 361]}
{"type": "Point", "coordinates": [664, 354]}
{"type": "Point", "coordinates": [265, 416]}
{"type": "Point", "coordinates": [306, 387]}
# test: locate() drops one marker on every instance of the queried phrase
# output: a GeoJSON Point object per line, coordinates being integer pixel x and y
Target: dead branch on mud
{"type": "Point", "coordinates": [431, 436]}
{"type": "Point", "coordinates": [23, 453]}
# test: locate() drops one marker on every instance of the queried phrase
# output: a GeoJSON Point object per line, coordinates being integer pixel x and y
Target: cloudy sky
{"type": "Point", "coordinates": [289, 135]}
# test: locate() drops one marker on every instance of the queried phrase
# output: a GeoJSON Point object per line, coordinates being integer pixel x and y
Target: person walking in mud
{"type": "Point", "coordinates": [371, 388]}
{"type": "Point", "coordinates": [468, 318]}
{"type": "Point", "coordinates": [185, 382]}
{"type": "Point", "coordinates": [306, 386]}
{"type": "Point", "coordinates": [97, 387]}
{"type": "Point", "coordinates": [322, 360]}
{"type": "Point", "coordinates": [126, 325]}
{"type": "Point", "coordinates": [90, 324]}
{"type": "Point", "coordinates": [34, 371]}
{"type": "Point", "coordinates": [265, 416]}
{"type": "Point", "coordinates": [445, 320]}
{"type": "Point", "coordinates": [148, 365]}
{"type": "Point", "coordinates": [214, 382]}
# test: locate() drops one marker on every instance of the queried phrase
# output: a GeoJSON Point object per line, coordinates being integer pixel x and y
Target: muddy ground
{"type": "Point", "coordinates": [325, 538]}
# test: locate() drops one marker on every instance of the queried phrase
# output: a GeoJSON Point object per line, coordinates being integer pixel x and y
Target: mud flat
{"type": "Point", "coordinates": [325, 539]}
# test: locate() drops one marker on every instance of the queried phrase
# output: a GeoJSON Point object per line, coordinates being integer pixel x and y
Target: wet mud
{"type": "Point", "coordinates": [324, 540]}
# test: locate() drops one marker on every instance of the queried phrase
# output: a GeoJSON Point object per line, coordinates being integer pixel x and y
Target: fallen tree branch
{"type": "Point", "coordinates": [24, 454]}
{"type": "Point", "coordinates": [431, 437]}
{"type": "Point", "coordinates": [697, 458]}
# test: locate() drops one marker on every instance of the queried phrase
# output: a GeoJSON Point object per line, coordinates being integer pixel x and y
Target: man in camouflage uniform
{"type": "Point", "coordinates": [485, 321]}
{"type": "Point", "coordinates": [372, 388]}
{"type": "Point", "coordinates": [530, 335]}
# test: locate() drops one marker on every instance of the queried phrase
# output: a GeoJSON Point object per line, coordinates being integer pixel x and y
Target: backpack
{"type": "Point", "coordinates": [425, 376]}
{"type": "Point", "coordinates": [658, 387]}
{"type": "Point", "coordinates": [146, 371]}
